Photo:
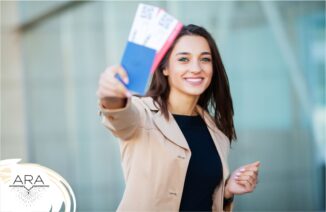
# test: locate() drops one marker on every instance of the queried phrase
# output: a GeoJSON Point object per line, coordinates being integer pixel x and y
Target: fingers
{"type": "Point", "coordinates": [250, 179]}
{"type": "Point", "coordinates": [247, 171]}
{"type": "Point", "coordinates": [250, 167]}
{"type": "Point", "coordinates": [119, 70]}
{"type": "Point", "coordinates": [247, 185]}
{"type": "Point", "coordinates": [248, 182]}
{"type": "Point", "coordinates": [110, 86]}
{"type": "Point", "coordinates": [247, 176]}
{"type": "Point", "coordinates": [254, 164]}
{"type": "Point", "coordinates": [252, 173]}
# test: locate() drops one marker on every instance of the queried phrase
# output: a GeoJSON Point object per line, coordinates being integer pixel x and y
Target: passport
{"type": "Point", "coordinates": [152, 33]}
{"type": "Point", "coordinates": [137, 60]}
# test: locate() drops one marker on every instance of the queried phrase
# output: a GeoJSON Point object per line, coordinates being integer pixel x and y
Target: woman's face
{"type": "Point", "coordinates": [189, 67]}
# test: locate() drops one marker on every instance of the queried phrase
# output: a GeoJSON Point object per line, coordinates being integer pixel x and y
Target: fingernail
{"type": "Point", "coordinates": [238, 174]}
{"type": "Point", "coordinates": [242, 170]}
{"type": "Point", "coordinates": [236, 177]}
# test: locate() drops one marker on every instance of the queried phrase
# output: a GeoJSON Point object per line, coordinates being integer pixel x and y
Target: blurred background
{"type": "Point", "coordinates": [52, 53]}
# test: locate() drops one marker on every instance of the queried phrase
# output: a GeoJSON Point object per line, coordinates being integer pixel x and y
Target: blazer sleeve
{"type": "Point", "coordinates": [227, 205]}
{"type": "Point", "coordinates": [122, 122]}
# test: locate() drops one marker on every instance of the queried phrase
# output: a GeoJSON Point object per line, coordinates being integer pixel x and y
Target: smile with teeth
{"type": "Point", "coordinates": [194, 80]}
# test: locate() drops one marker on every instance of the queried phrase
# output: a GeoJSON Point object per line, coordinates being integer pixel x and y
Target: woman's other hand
{"type": "Point", "coordinates": [242, 180]}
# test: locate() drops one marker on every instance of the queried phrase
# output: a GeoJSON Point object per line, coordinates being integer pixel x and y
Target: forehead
{"type": "Point", "coordinates": [193, 44]}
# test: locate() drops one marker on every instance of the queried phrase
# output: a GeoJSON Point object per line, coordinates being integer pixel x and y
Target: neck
{"type": "Point", "coordinates": [182, 104]}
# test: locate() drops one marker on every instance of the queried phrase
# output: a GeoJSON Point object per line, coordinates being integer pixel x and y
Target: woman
{"type": "Point", "coordinates": [174, 153]}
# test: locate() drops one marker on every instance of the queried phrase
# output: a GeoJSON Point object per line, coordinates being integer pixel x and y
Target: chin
{"type": "Point", "coordinates": [194, 92]}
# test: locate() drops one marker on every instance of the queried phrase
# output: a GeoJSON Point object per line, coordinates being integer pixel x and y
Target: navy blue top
{"type": "Point", "coordinates": [205, 169]}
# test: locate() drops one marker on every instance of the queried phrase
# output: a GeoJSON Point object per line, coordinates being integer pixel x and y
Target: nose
{"type": "Point", "coordinates": [195, 67]}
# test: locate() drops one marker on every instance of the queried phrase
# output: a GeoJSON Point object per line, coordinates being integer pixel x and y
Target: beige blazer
{"type": "Point", "coordinates": [155, 156]}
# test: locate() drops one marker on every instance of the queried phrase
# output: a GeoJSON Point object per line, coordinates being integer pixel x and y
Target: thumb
{"type": "Point", "coordinates": [257, 163]}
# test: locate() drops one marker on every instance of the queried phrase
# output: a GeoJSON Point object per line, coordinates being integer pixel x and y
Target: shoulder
{"type": "Point", "coordinates": [146, 103]}
{"type": "Point", "coordinates": [146, 107]}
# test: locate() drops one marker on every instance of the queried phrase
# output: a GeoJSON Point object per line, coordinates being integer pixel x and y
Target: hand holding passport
{"type": "Point", "coordinates": [153, 32]}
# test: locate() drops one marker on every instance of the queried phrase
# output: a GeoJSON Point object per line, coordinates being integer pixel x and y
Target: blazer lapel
{"type": "Point", "coordinates": [169, 128]}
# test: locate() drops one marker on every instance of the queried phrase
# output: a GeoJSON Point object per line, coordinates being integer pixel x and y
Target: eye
{"type": "Point", "coordinates": [206, 59]}
{"type": "Point", "coordinates": [183, 59]}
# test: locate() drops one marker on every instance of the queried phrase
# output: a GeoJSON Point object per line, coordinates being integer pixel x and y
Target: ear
{"type": "Point", "coordinates": [165, 72]}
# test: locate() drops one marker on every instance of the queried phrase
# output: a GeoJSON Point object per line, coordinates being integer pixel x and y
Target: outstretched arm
{"type": "Point", "coordinates": [118, 113]}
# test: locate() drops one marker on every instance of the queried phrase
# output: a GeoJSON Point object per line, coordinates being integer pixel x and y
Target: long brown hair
{"type": "Point", "coordinates": [216, 98]}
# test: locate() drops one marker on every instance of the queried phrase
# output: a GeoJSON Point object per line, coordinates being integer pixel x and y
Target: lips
{"type": "Point", "coordinates": [194, 80]}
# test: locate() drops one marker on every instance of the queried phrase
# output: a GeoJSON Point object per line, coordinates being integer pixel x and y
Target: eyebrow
{"type": "Point", "coordinates": [187, 53]}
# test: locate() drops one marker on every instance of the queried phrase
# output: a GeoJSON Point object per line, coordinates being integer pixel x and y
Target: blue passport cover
{"type": "Point", "coordinates": [137, 60]}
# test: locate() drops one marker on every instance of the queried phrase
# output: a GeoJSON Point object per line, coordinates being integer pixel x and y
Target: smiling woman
{"type": "Point", "coordinates": [195, 56]}
{"type": "Point", "coordinates": [174, 153]}
{"type": "Point", "coordinates": [189, 69]}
